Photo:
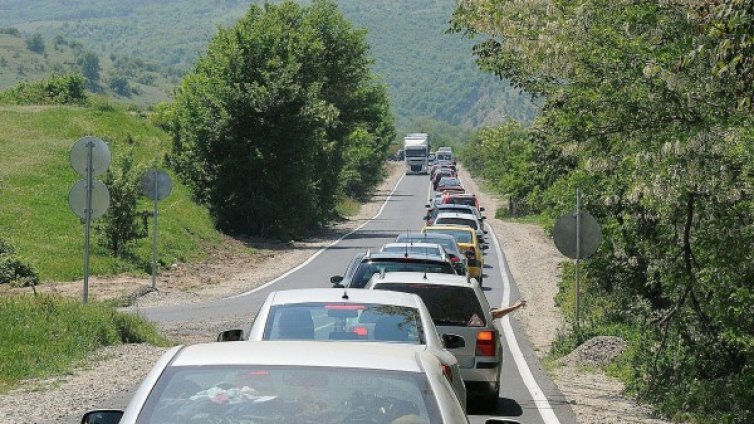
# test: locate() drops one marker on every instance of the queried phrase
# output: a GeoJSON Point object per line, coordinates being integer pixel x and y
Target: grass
{"type": "Point", "coordinates": [35, 177]}
{"type": "Point", "coordinates": [43, 335]}
{"type": "Point", "coordinates": [347, 206]}
{"type": "Point", "coordinates": [538, 219]}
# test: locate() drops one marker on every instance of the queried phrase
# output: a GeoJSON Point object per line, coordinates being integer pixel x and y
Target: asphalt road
{"type": "Point", "coordinates": [527, 395]}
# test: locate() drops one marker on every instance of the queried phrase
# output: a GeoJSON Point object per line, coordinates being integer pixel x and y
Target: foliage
{"type": "Point", "coordinates": [35, 43]}
{"type": "Point", "coordinates": [35, 180]}
{"type": "Point", "coordinates": [13, 270]}
{"type": "Point", "coordinates": [428, 72]}
{"type": "Point", "coordinates": [90, 69]}
{"type": "Point", "coordinates": [121, 226]}
{"type": "Point", "coordinates": [119, 85]}
{"type": "Point", "coordinates": [58, 89]}
{"type": "Point", "coordinates": [261, 125]}
{"type": "Point", "coordinates": [44, 335]}
{"type": "Point", "coordinates": [635, 113]}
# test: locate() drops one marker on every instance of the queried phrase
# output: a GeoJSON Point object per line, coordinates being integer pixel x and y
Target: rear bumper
{"type": "Point", "coordinates": [485, 371]}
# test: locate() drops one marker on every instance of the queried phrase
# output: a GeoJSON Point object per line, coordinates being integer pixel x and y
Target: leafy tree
{"type": "Point", "coordinates": [90, 68]}
{"type": "Point", "coordinates": [633, 115]}
{"type": "Point", "coordinates": [35, 43]}
{"type": "Point", "coordinates": [119, 84]}
{"type": "Point", "coordinates": [121, 226]}
{"type": "Point", "coordinates": [261, 124]}
{"type": "Point", "coordinates": [68, 88]}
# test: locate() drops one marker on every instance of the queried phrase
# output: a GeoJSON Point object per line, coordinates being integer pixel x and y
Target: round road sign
{"type": "Point", "coordinates": [100, 199]}
{"type": "Point", "coordinates": [564, 234]}
{"type": "Point", "coordinates": [156, 184]}
{"type": "Point", "coordinates": [79, 156]}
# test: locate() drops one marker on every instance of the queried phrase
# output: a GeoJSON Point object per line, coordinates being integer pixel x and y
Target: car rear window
{"type": "Point", "coordinates": [367, 269]}
{"type": "Point", "coordinates": [366, 322]}
{"type": "Point", "coordinates": [461, 236]}
{"type": "Point", "coordinates": [448, 244]}
{"type": "Point", "coordinates": [413, 250]}
{"type": "Point", "coordinates": [448, 305]}
{"type": "Point", "coordinates": [468, 201]}
{"type": "Point", "coordinates": [456, 221]}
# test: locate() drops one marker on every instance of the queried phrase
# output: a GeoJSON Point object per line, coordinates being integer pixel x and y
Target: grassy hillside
{"type": "Point", "coordinates": [429, 73]}
{"type": "Point", "coordinates": [35, 177]}
{"type": "Point", "coordinates": [146, 83]}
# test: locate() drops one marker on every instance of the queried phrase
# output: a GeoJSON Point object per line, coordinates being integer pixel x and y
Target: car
{"type": "Point", "coordinates": [468, 243]}
{"type": "Point", "coordinates": [364, 265]}
{"type": "Point", "coordinates": [469, 199]}
{"type": "Point", "coordinates": [291, 382]}
{"type": "Point", "coordinates": [450, 207]}
{"type": "Point", "coordinates": [440, 174]}
{"type": "Point", "coordinates": [456, 218]}
{"type": "Point", "coordinates": [370, 316]}
{"type": "Point", "coordinates": [447, 183]}
{"type": "Point", "coordinates": [447, 241]}
{"type": "Point", "coordinates": [460, 308]}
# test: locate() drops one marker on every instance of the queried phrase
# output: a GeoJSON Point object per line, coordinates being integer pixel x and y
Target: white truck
{"type": "Point", "coordinates": [444, 153]}
{"type": "Point", "coordinates": [416, 147]}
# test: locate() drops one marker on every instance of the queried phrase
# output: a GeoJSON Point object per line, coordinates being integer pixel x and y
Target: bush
{"type": "Point", "coordinates": [59, 89]}
{"type": "Point", "coordinates": [13, 270]}
{"type": "Point", "coordinates": [120, 226]}
{"type": "Point", "coordinates": [36, 43]}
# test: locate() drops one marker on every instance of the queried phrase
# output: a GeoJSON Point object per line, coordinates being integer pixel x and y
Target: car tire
{"type": "Point", "coordinates": [481, 279]}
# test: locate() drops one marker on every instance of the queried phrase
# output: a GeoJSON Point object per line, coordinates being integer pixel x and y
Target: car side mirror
{"type": "Point", "coordinates": [481, 209]}
{"type": "Point", "coordinates": [102, 416]}
{"type": "Point", "coordinates": [453, 341]}
{"type": "Point", "coordinates": [484, 217]}
{"type": "Point", "coordinates": [427, 206]}
{"type": "Point", "coordinates": [500, 421]}
{"type": "Point", "coordinates": [336, 280]}
{"type": "Point", "coordinates": [230, 336]}
{"type": "Point", "coordinates": [485, 232]}
{"type": "Point", "coordinates": [485, 247]}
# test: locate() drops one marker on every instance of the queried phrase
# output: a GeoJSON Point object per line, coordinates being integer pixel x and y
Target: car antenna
{"type": "Point", "coordinates": [345, 295]}
{"type": "Point", "coordinates": [405, 255]}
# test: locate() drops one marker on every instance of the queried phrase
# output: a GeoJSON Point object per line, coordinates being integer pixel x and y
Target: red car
{"type": "Point", "coordinates": [468, 199]}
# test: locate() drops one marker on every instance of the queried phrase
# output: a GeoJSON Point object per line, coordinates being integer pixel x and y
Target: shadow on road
{"type": "Point", "coordinates": [504, 407]}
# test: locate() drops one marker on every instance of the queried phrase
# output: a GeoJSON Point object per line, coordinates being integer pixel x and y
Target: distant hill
{"type": "Point", "coordinates": [135, 80]}
{"type": "Point", "coordinates": [429, 73]}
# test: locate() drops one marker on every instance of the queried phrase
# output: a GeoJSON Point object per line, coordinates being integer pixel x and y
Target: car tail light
{"type": "Point", "coordinates": [486, 343]}
{"type": "Point", "coordinates": [447, 372]}
{"type": "Point", "coordinates": [361, 331]}
{"type": "Point", "coordinates": [455, 259]}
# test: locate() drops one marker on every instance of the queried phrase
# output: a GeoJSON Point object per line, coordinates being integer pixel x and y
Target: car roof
{"type": "Point", "coordinates": [413, 244]}
{"type": "Point", "coordinates": [284, 297]}
{"type": "Point", "coordinates": [456, 215]}
{"type": "Point", "coordinates": [400, 255]}
{"type": "Point", "coordinates": [419, 278]}
{"type": "Point", "coordinates": [422, 235]}
{"type": "Point", "coordinates": [464, 195]}
{"type": "Point", "coordinates": [383, 356]}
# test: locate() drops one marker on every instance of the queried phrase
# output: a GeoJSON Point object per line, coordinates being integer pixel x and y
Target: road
{"type": "Point", "coordinates": [526, 395]}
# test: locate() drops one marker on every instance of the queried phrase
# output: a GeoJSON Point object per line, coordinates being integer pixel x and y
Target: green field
{"type": "Point", "coordinates": [35, 177]}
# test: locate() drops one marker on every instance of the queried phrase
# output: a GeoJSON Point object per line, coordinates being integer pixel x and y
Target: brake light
{"type": "Point", "coordinates": [361, 331]}
{"type": "Point", "coordinates": [455, 259]}
{"type": "Point", "coordinates": [447, 372]}
{"type": "Point", "coordinates": [486, 343]}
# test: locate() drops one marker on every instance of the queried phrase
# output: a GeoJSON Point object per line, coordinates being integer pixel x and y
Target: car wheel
{"type": "Point", "coordinates": [481, 279]}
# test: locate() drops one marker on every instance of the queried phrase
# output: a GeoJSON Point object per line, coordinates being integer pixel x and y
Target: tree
{"type": "Point", "coordinates": [120, 226]}
{"type": "Point", "coordinates": [35, 43]}
{"type": "Point", "coordinates": [261, 124]}
{"type": "Point", "coordinates": [119, 84]}
{"type": "Point", "coordinates": [89, 64]}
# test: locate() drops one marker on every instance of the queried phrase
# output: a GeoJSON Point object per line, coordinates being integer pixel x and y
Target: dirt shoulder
{"type": "Point", "coordinates": [535, 264]}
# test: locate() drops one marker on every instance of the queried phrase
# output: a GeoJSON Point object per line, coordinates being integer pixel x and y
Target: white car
{"type": "Point", "coordinates": [291, 382]}
{"type": "Point", "coordinates": [373, 316]}
{"type": "Point", "coordinates": [460, 307]}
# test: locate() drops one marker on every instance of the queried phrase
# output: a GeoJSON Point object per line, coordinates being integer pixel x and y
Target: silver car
{"type": "Point", "coordinates": [357, 316]}
{"type": "Point", "coordinates": [460, 307]}
{"type": "Point", "coordinates": [291, 382]}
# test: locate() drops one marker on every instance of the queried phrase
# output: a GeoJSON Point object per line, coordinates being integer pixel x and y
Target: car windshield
{"type": "Point", "coordinates": [367, 269]}
{"type": "Point", "coordinates": [448, 305]}
{"type": "Point", "coordinates": [461, 236]}
{"type": "Point", "coordinates": [456, 221]}
{"type": "Point", "coordinates": [232, 394]}
{"type": "Point", "coordinates": [434, 251]}
{"type": "Point", "coordinates": [417, 153]}
{"type": "Point", "coordinates": [344, 321]}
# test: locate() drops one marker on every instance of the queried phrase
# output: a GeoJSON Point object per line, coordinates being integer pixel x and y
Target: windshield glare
{"type": "Point", "coordinates": [288, 394]}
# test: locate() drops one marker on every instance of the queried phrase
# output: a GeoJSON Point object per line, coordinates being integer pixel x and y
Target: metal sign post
{"type": "Point", "coordinates": [156, 185]}
{"type": "Point", "coordinates": [577, 236]}
{"type": "Point", "coordinates": [89, 198]}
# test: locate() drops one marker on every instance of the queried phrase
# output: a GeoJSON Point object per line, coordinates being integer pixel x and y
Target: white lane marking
{"type": "Point", "coordinates": [539, 398]}
{"type": "Point", "coordinates": [319, 252]}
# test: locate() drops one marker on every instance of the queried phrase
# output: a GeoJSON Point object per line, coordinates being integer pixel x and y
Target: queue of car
{"type": "Point", "coordinates": [404, 336]}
